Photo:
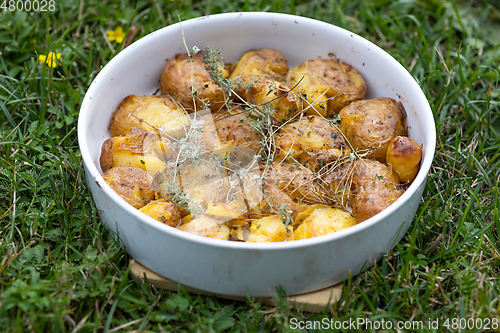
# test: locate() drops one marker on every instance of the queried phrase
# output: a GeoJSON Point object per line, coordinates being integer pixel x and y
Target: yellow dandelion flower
{"type": "Point", "coordinates": [50, 59]}
{"type": "Point", "coordinates": [116, 35]}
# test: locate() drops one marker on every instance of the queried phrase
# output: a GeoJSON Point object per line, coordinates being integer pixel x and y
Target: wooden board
{"type": "Point", "coordinates": [315, 301]}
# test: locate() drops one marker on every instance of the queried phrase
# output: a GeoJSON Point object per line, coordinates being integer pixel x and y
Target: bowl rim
{"type": "Point", "coordinates": [85, 112]}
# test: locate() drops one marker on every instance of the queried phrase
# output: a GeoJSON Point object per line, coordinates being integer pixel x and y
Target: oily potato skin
{"type": "Point", "coordinates": [375, 187]}
{"type": "Point", "coordinates": [162, 210]}
{"type": "Point", "coordinates": [322, 81]}
{"type": "Point", "coordinates": [180, 74]}
{"type": "Point", "coordinates": [131, 183]}
{"type": "Point", "coordinates": [311, 139]}
{"type": "Point", "coordinates": [403, 156]}
{"type": "Point", "coordinates": [370, 125]}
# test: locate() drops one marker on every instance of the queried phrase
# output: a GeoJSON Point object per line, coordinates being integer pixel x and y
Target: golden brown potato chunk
{"type": "Point", "coordinates": [206, 227]}
{"type": "Point", "coordinates": [370, 125]}
{"type": "Point", "coordinates": [267, 229]}
{"type": "Point", "coordinates": [203, 131]}
{"type": "Point", "coordinates": [375, 187]}
{"type": "Point", "coordinates": [106, 158]}
{"type": "Point", "coordinates": [337, 182]}
{"type": "Point", "coordinates": [138, 148]}
{"type": "Point", "coordinates": [131, 183]}
{"type": "Point", "coordinates": [323, 220]}
{"type": "Point", "coordinates": [404, 156]}
{"type": "Point", "coordinates": [227, 211]}
{"type": "Point", "coordinates": [267, 69]}
{"type": "Point", "coordinates": [261, 63]}
{"type": "Point", "coordinates": [265, 197]}
{"type": "Point", "coordinates": [235, 126]}
{"type": "Point", "coordinates": [326, 85]}
{"type": "Point", "coordinates": [275, 200]}
{"type": "Point", "coordinates": [311, 140]}
{"type": "Point", "coordinates": [164, 211]}
{"type": "Point", "coordinates": [296, 181]}
{"type": "Point", "coordinates": [150, 113]}
{"type": "Point", "coordinates": [284, 103]}
{"type": "Point", "coordinates": [180, 74]}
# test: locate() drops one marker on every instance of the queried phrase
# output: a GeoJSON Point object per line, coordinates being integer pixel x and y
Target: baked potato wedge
{"type": "Point", "coordinates": [326, 85]}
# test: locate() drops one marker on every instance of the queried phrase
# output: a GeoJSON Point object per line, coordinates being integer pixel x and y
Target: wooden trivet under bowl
{"type": "Point", "coordinates": [315, 301]}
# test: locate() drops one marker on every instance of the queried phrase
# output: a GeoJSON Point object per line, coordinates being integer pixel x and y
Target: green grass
{"type": "Point", "coordinates": [60, 269]}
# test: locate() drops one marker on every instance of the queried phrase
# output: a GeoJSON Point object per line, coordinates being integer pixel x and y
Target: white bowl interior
{"type": "Point", "coordinates": [137, 69]}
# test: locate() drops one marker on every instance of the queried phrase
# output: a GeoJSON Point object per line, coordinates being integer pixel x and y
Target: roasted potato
{"type": "Point", "coordinates": [203, 131]}
{"type": "Point", "coordinates": [164, 211]}
{"type": "Point", "coordinates": [375, 187]}
{"type": "Point", "coordinates": [234, 126]}
{"type": "Point", "coordinates": [266, 68]}
{"type": "Point", "coordinates": [337, 183]}
{"type": "Point", "coordinates": [131, 183]}
{"type": "Point", "coordinates": [223, 232]}
{"type": "Point", "coordinates": [285, 186]}
{"type": "Point", "coordinates": [313, 141]}
{"type": "Point", "coordinates": [326, 85]}
{"type": "Point", "coordinates": [296, 181]}
{"type": "Point", "coordinates": [152, 113]}
{"type": "Point", "coordinates": [207, 183]}
{"type": "Point", "coordinates": [403, 156]}
{"type": "Point", "coordinates": [260, 64]}
{"type": "Point", "coordinates": [227, 211]}
{"type": "Point", "coordinates": [206, 227]}
{"type": "Point", "coordinates": [138, 148]}
{"type": "Point", "coordinates": [303, 212]}
{"type": "Point", "coordinates": [370, 125]}
{"type": "Point", "coordinates": [283, 102]}
{"type": "Point", "coordinates": [267, 229]}
{"type": "Point", "coordinates": [181, 73]}
{"type": "Point", "coordinates": [324, 220]}
{"type": "Point", "coordinates": [273, 201]}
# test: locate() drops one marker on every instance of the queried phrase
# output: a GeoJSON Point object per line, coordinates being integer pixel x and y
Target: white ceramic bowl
{"type": "Point", "coordinates": [234, 268]}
